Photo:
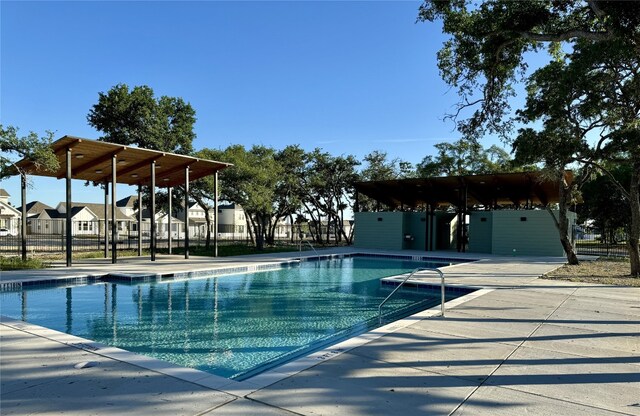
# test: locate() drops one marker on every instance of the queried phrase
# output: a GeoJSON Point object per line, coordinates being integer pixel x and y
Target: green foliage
{"type": "Point", "coordinates": [32, 147]}
{"type": "Point", "coordinates": [604, 203]}
{"type": "Point", "coordinates": [485, 55]}
{"type": "Point", "coordinates": [465, 157]}
{"type": "Point", "coordinates": [136, 117]}
{"type": "Point", "coordinates": [379, 168]}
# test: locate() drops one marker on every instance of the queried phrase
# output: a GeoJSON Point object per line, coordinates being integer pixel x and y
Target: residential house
{"type": "Point", "coordinates": [129, 206]}
{"type": "Point", "coordinates": [9, 215]}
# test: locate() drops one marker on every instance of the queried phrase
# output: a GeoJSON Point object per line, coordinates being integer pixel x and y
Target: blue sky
{"type": "Point", "coordinates": [348, 77]}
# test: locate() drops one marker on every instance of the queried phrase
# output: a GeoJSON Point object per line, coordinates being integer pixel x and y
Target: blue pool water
{"type": "Point", "coordinates": [233, 326]}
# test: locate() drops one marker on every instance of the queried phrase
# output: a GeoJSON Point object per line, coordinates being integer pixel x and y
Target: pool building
{"type": "Point", "coordinates": [503, 214]}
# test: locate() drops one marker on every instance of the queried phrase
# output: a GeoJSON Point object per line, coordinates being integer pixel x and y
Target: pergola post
{"type": "Point", "coordinates": [186, 212]}
{"type": "Point", "coordinates": [427, 228]}
{"type": "Point", "coordinates": [139, 220]}
{"type": "Point", "coordinates": [215, 216]}
{"type": "Point", "coordinates": [432, 208]}
{"type": "Point", "coordinates": [152, 212]}
{"type": "Point", "coordinates": [114, 223]}
{"type": "Point", "coordinates": [68, 204]}
{"type": "Point", "coordinates": [106, 220]}
{"type": "Point", "coordinates": [23, 226]}
{"type": "Point", "coordinates": [169, 190]}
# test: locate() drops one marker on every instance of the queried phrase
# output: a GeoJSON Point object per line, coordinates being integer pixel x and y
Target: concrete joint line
{"type": "Point", "coordinates": [512, 352]}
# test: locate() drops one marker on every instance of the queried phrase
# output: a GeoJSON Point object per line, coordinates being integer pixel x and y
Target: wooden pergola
{"type": "Point", "coordinates": [109, 163]}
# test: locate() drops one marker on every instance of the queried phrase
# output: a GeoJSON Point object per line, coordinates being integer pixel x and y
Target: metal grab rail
{"type": "Point", "coordinates": [312, 248]}
{"type": "Point", "coordinates": [419, 269]}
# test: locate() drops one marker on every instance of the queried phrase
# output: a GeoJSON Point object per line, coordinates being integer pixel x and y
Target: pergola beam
{"type": "Point", "coordinates": [95, 162]}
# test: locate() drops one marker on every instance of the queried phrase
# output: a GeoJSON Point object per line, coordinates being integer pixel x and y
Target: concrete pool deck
{"type": "Point", "coordinates": [525, 345]}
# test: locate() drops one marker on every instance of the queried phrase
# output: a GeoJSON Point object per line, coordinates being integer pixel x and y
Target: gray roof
{"type": "Point", "coordinates": [4, 193]}
{"type": "Point", "coordinates": [36, 207]}
{"type": "Point", "coordinates": [128, 202]}
{"type": "Point", "coordinates": [98, 210]}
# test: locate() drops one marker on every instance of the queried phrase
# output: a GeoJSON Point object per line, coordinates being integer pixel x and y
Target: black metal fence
{"type": "Point", "coordinates": [49, 236]}
{"type": "Point", "coordinates": [611, 243]}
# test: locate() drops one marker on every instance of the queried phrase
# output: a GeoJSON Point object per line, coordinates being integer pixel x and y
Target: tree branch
{"type": "Point", "coordinates": [618, 185]}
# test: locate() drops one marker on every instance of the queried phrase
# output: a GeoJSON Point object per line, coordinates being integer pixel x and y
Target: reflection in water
{"type": "Point", "coordinates": [114, 310]}
{"type": "Point", "coordinates": [69, 311]}
{"type": "Point", "coordinates": [23, 303]}
{"type": "Point", "coordinates": [227, 325]}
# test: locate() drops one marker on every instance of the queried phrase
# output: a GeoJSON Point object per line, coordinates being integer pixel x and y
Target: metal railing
{"type": "Point", "coordinates": [409, 276]}
{"type": "Point", "coordinates": [310, 245]}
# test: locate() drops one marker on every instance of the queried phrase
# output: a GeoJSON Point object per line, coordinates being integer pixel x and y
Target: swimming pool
{"type": "Point", "coordinates": [233, 326]}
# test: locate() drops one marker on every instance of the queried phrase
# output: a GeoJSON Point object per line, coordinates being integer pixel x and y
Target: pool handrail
{"type": "Point", "coordinates": [417, 270]}
{"type": "Point", "coordinates": [310, 245]}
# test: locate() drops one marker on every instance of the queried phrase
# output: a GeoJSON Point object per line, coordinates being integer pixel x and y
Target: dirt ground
{"type": "Point", "coordinates": [602, 271]}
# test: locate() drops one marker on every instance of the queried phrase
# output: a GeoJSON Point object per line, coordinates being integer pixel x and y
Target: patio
{"type": "Point", "coordinates": [521, 344]}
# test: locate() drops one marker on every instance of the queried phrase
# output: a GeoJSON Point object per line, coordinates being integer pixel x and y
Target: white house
{"type": "Point", "coordinates": [129, 207]}
{"type": "Point", "coordinates": [9, 215]}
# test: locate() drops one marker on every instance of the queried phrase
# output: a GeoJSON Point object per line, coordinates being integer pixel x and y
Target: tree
{"type": "Point", "coordinates": [36, 149]}
{"type": "Point", "coordinates": [328, 191]}
{"type": "Point", "coordinates": [485, 59]}
{"type": "Point", "coordinates": [136, 117]}
{"type": "Point", "coordinates": [378, 168]}
{"type": "Point", "coordinates": [252, 182]}
{"type": "Point", "coordinates": [605, 204]}
{"type": "Point", "coordinates": [486, 55]}
{"type": "Point", "coordinates": [464, 157]}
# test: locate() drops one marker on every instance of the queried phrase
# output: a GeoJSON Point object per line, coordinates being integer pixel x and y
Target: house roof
{"type": "Point", "coordinates": [4, 193]}
{"type": "Point", "coordinates": [35, 207]}
{"type": "Point", "coordinates": [488, 190]}
{"type": "Point", "coordinates": [54, 213]}
{"type": "Point", "coordinates": [96, 209]}
{"type": "Point", "coordinates": [91, 161]}
{"type": "Point", "coordinates": [128, 202]}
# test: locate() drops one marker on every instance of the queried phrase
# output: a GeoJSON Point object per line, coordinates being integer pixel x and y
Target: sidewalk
{"type": "Point", "coordinates": [527, 346]}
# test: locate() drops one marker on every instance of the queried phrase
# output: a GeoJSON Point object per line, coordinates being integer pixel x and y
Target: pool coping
{"type": "Point", "coordinates": [211, 381]}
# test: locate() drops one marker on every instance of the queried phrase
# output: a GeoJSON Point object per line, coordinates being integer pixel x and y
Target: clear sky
{"type": "Point", "coordinates": [348, 77]}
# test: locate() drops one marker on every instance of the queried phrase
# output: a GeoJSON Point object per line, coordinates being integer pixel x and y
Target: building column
{"type": "Point", "coordinates": [114, 222]}
{"type": "Point", "coordinates": [152, 212]}
{"type": "Point", "coordinates": [186, 212]}
{"type": "Point", "coordinates": [169, 191]}
{"type": "Point", "coordinates": [215, 217]}
{"type": "Point", "coordinates": [68, 205]}
{"type": "Point", "coordinates": [23, 227]}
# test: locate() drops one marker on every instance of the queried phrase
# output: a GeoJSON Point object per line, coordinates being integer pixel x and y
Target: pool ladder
{"type": "Point", "coordinates": [409, 276]}
{"type": "Point", "coordinates": [310, 245]}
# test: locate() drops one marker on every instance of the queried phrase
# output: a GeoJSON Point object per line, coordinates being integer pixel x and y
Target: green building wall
{"type": "Point", "coordinates": [480, 231]}
{"type": "Point", "coordinates": [384, 230]}
{"type": "Point", "coordinates": [528, 232]}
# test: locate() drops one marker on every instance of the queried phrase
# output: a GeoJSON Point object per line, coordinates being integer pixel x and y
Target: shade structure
{"type": "Point", "coordinates": [491, 190]}
{"type": "Point", "coordinates": [110, 163]}
{"type": "Point", "coordinates": [91, 161]}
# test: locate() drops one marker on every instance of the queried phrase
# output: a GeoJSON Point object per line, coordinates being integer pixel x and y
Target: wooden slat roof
{"type": "Point", "coordinates": [91, 161]}
{"type": "Point", "coordinates": [486, 190]}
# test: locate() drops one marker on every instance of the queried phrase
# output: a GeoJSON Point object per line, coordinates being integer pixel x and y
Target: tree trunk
{"type": "Point", "coordinates": [207, 217]}
{"type": "Point", "coordinates": [634, 232]}
{"type": "Point", "coordinates": [292, 228]}
{"type": "Point", "coordinates": [250, 228]}
{"type": "Point", "coordinates": [562, 223]}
